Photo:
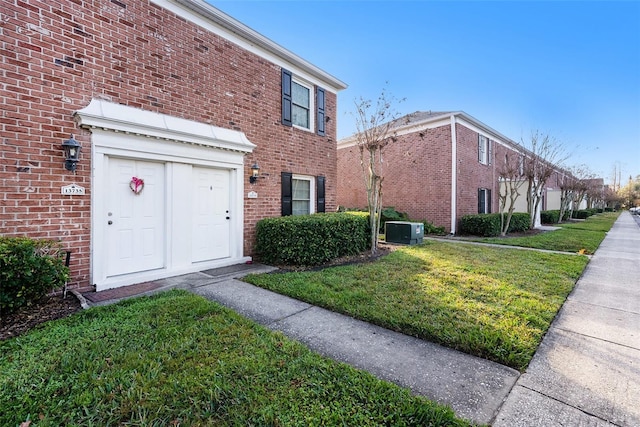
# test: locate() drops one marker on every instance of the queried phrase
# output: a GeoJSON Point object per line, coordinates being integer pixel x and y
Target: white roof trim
{"type": "Point", "coordinates": [122, 118]}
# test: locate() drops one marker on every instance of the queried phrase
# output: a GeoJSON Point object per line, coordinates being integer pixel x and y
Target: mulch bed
{"type": "Point", "coordinates": [27, 318]}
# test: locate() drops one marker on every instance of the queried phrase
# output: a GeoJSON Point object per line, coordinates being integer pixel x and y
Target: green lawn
{"type": "Point", "coordinates": [178, 359]}
{"type": "Point", "coordinates": [496, 303]}
{"type": "Point", "coordinates": [573, 237]}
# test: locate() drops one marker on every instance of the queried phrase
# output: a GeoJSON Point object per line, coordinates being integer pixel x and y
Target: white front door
{"type": "Point", "coordinates": [134, 222]}
{"type": "Point", "coordinates": [211, 216]}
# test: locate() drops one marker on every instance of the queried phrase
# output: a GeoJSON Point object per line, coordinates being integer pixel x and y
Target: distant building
{"type": "Point", "coordinates": [442, 166]}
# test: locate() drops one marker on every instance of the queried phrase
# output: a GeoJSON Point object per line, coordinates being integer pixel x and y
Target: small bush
{"type": "Point", "coordinates": [550, 217]}
{"type": "Point", "coordinates": [28, 270]}
{"type": "Point", "coordinates": [429, 228]}
{"type": "Point", "coordinates": [584, 213]}
{"type": "Point", "coordinates": [311, 239]}
{"type": "Point", "coordinates": [391, 214]}
{"type": "Point", "coordinates": [488, 225]}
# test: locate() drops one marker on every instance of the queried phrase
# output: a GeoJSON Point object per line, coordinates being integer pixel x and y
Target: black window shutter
{"type": "Point", "coordinates": [286, 97]}
{"type": "Point", "coordinates": [287, 193]}
{"type": "Point", "coordinates": [488, 201]}
{"type": "Point", "coordinates": [320, 115]}
{"type": "Point", "coordinates": [480, 200]}
{"type": "Point", "coordinates": [320, 193]}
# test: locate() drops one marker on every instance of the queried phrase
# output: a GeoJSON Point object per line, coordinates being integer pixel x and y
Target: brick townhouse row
{"type": "Point", "coordinates": [192, 127]}
{"type": "Point", "coordinates": [442, 166]}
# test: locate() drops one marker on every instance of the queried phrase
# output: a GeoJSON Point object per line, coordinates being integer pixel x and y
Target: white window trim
{"type": "Point", "coordinates": [312, 191]}
{"type": "Point", "coordinates": [483, 146]}
{"type": "Point", "coordinates": [312, 103]}
{"type": "Point", "coordinates": [485, 194]}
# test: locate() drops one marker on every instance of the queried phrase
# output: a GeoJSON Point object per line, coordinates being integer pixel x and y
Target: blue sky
{"type": "Point", "coordinates": [570, 69]}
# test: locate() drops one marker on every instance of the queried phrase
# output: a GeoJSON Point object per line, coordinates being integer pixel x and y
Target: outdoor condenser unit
{"type": "Point", "coordinates": [409, 233]}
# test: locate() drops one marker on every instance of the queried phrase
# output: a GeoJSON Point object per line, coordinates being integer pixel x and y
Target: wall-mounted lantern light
{"type": "Point", "coordinates": [72, 153]}
{"type": "Point", "coordinates": [255, 172]}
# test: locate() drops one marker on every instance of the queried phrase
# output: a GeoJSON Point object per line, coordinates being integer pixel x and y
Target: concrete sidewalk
{"type": "Point", "coordinates": [587, 369]}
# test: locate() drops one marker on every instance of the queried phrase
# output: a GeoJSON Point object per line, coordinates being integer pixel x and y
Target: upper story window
{"type": "Point", "coordinates": [301, 106]}
{"type": "Point", "coordinates": [485, 150]}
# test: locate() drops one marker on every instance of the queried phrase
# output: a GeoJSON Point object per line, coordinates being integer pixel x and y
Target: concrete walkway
{"type": "Point", "coordinates": [586, 372]}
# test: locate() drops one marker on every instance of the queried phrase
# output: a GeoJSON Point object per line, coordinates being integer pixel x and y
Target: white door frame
{"type": "Point", "coordinates": [126, 132]}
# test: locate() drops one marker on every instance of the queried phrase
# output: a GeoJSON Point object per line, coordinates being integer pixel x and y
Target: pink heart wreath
{"type": "Point", "coordinates": [136, 185]}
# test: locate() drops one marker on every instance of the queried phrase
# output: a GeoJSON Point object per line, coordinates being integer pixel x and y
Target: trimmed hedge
{"type": "Point", "coordinates": [488, 225]}
{"type": "Point", "coordinates": [584, 213]}
{"type": "Point", "coordinates": [312, 239]}
{"type": "Point", "coordinates": [29, 269]}
{"type": "Point", "coordinates": [550, 217]}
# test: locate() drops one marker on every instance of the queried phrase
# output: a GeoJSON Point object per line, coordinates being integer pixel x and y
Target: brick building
{"type": "Point", "coordinates": [172, 102]}
{"type": "Point", "coordinates": [442, 166]}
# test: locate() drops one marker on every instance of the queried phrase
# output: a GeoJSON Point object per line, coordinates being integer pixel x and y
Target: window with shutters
{"type": "Point", "coordinates": [485, 150]}
{"type": "Point", "coordinates": [302, 195]}
{"type": "Point", "coordinates": [302, 104]}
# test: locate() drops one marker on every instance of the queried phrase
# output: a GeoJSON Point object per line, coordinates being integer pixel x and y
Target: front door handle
{"type": "Point", "coordinates": [109, 222]}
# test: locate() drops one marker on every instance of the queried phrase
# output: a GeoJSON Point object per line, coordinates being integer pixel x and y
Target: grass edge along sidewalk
{"type": "Point", "coordinates": [578, 236]}
{"type": "Point", "coordinates": [495, 303]}
{"type": "Point", "coordinates": [178, 359]}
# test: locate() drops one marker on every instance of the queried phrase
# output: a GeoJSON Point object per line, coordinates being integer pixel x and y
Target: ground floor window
{"type": "Point", "coordinates": [484, 200]}
{"type": "Point", "coordinates": [301, 196]}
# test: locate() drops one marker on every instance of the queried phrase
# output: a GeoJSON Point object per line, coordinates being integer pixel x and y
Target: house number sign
{"type": "Point", "coordinates": [72, 190]}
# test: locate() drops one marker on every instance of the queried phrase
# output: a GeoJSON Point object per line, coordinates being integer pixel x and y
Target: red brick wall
{"type": "Point", "coordinates": [417, 171]}
{"type": "Point", "coordinates": [57, 57]}
{"type": "Point", "coordinates": [417, 176]}
{"type": "Point", "coordinates": [472, 174]}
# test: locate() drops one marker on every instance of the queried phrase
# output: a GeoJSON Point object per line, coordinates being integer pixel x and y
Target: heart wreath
{"type": "Point", "coordinates": [136, 185]}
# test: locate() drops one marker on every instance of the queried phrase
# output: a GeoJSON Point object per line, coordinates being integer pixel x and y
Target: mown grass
{"type": "Point", "coordinates": [495, 303]}
{"type": "Point", "coordinates": [583, 236]}
{"type": "Point", "coordinates": [178, 359]}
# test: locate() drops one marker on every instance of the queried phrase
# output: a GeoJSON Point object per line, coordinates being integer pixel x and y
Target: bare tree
{"type": "Point", "coordinates": [511, 180]}
{"type": "Point", "coordinates": [567, 184]}
{"type": "Point", "coordinates": [374, 124]}
{"type": "Point", "coordinates": [544, 158]}
{"type": "Point", "coordinates": [584, 176]}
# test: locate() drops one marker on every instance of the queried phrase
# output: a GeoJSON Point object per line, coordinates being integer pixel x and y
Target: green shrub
{"type": "Point", "coordinates": [311, 239]}
{"type": "Point", "coordinates": [550, 217]}
{"type": "Point", "coordinates": [429, 228]}
{"type": "Point", "coordinates": [584, 213]}
{"type": "Point", "coordinates": [520, 221]}
{"type": "Point", "coordinates": [488, 225]}
{"type": "Point", "coordinates": [391, 214]}
{"type": "Point", "coordinates": [28, 270]}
